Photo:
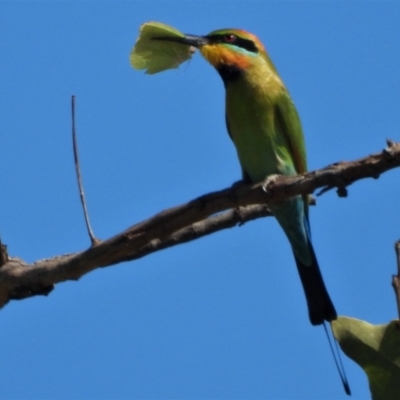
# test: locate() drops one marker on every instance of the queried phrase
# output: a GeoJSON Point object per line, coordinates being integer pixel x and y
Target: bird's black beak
{"type": "Point", "coordinates": [189, 40]}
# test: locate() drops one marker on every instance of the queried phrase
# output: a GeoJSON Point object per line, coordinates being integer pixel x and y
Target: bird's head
{"type": "Point", "coordinates": [229, 51]}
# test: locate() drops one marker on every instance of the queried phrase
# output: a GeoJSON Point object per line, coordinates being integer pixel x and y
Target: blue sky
{"type": "Point", "coordinates": [223, 317]}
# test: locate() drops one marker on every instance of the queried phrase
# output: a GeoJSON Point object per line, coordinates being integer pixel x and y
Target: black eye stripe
{"type": "Point", "coordinates": [246, 44]}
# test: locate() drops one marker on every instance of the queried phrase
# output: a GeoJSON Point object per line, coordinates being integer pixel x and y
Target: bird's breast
{"type": "Point", "coordinates": [250, 120]}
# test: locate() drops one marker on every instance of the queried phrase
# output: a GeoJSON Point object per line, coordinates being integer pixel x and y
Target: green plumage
{"type": "Point", "coordinates": [265, 128]}
{"type": "Point", "coordinates": [264, 125]}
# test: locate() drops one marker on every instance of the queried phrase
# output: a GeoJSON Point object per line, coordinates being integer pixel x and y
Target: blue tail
{"type": "Point", "coordinates": [292, 218]}
{"type": "Point", "coordinates": [320, 306]}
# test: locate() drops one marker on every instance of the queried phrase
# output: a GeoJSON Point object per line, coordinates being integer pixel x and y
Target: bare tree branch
{"type": "Point", "coordinates": [186, 222]}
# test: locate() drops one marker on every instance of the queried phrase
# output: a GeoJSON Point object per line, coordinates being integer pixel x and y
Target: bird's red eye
{"type": "Point", "coordinates": [229, 38]}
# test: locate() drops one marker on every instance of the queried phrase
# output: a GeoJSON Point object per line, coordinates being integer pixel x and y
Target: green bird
{"type": "Point", "coordinates": [264, 125]}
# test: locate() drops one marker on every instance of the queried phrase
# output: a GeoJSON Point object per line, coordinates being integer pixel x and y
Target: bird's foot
{"type": "Point", "coordinates": [269, 181]}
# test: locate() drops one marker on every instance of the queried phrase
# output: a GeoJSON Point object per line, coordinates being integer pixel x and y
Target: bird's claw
{"type": "Point", "coordinates": [269, 181]}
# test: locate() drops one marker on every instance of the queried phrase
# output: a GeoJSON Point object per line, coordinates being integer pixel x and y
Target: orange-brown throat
{"type": "Point", "coordinates": [219, 56]}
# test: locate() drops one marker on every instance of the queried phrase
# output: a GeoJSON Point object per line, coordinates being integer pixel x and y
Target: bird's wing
{"type": "Point", "coordinates": [287, 122]}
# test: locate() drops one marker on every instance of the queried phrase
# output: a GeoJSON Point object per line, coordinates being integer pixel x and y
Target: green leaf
{"type": "Point", "coordinates": [158, 55]}
{"type": "Point", "coordinates": [376, 348]}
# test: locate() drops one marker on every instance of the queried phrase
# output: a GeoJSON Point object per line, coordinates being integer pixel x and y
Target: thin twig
{"type": "Point", "coordinates": [79, 178]}
{"type": "Point", "coordinates": [396, 278]}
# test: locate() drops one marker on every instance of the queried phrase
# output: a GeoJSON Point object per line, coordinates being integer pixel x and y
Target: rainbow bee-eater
{"type": "Point", "coordinates": [264, 125]}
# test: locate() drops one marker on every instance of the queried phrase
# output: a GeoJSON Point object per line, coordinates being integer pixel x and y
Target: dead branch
{"type": "Point", "coordinates": [79, 176]}
{"type": "Point", "coordinates": [183, 223]}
